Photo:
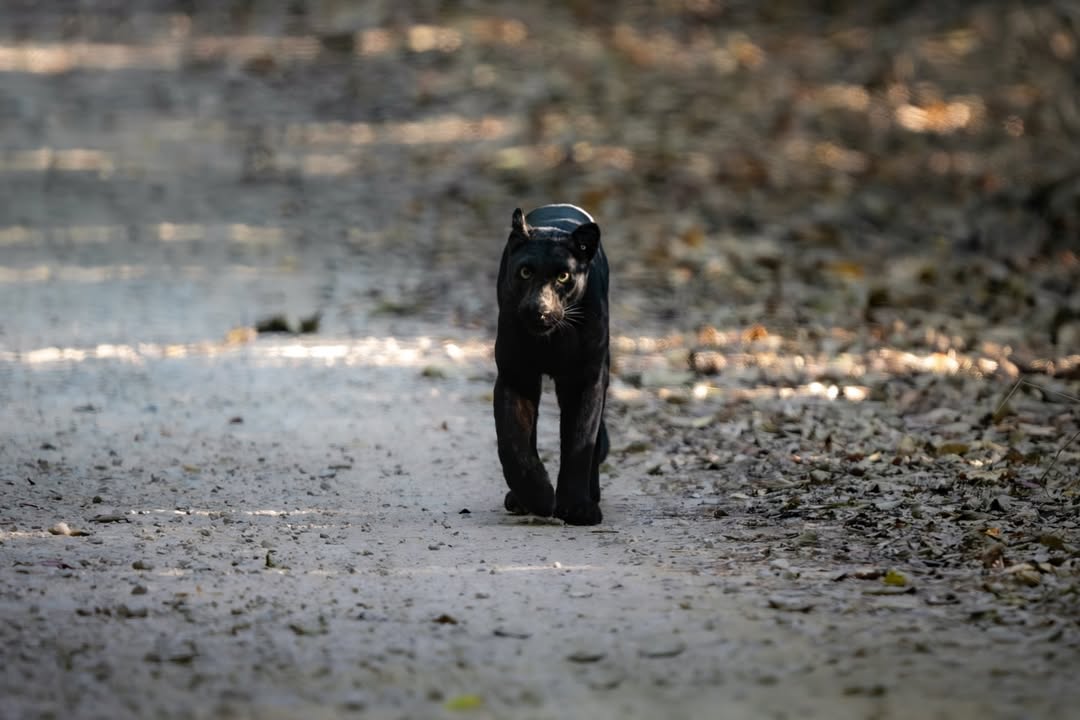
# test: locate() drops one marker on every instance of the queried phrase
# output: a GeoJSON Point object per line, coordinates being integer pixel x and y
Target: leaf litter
{"type": "Point", "coordinates": [948, 485]}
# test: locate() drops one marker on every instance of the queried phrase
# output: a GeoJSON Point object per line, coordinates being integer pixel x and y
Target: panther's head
{"type": "Point", "coordinates": [547, 272]}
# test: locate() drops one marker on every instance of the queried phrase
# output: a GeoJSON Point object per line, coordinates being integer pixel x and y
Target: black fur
{"type": "Point", "coordinates": [553, 320]}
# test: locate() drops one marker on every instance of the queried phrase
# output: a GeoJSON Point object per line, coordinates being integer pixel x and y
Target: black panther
{"type": "Point", "coordinates": [553, 320]}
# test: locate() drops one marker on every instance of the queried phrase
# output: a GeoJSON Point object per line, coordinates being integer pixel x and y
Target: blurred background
{"type": "Point", "coordinates": [172, 170]}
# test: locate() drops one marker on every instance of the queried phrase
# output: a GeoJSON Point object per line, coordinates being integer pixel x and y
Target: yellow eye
{"type": "Point", "coordinates": [525, 273]}
{"type": "Point", "coordinates": [563, 278]}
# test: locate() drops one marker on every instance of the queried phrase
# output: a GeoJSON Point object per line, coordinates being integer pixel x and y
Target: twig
{"type": "Point", "coordinates": [1022, 381]}
{"type": "Point", "coordinates": [1057, 455]}
{"type": "Point", "coordinates": [1066, 444]}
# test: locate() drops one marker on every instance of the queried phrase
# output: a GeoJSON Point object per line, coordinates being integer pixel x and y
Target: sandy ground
{"type": "Point", "coordinates": [290, 526]}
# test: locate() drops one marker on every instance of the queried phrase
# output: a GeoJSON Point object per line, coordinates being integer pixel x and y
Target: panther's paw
{"type": "Point", "coordinates": [582, 512]}
{"type": "Point", "coordinates": [512, 505]}
{"type": "Point", "coordinates": [540, 502]}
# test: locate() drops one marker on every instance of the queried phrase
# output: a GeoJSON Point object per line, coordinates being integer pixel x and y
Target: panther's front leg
{"type": "Point", "coordinates": [581, 405]}
{"type": "Point", "coordinates": [515, 426]}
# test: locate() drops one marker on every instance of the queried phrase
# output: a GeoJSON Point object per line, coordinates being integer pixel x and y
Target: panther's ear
{"type": "Point", "coordinates": [585, 240]}
{"type": "Point", "coordinates": [518, 224]}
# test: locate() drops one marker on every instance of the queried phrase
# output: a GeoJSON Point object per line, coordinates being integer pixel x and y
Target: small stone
{"type": "Point", "coordinates": [663, 650]}
{"type": "Point", "coordinates": [62, 528]}
{"type": "Point", "coordinates": [585, 656]}
{"type": "Point", "coordinates": [791, 603]}
{"type": "Point", "coordinates": [169, 650]}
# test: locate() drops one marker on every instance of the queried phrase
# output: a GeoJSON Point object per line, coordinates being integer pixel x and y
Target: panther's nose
{"type": "Point", "coordinates": [545, 316]}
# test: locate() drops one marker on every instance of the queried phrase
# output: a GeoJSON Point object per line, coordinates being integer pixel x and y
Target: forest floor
{"type": "Point", "coordinates": [247, 461]}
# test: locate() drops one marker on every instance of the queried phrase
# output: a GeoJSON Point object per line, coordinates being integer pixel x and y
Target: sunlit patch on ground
{"type": "Point", "coordinates": [58, 160]}
{"type": "Point", "coordinates": [372, 351]}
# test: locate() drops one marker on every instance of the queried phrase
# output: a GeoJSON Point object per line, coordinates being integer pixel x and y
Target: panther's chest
{"type": "Point", "coordinates": [559, 354]}
{"type": "Point", "coordinates": [562, 354]}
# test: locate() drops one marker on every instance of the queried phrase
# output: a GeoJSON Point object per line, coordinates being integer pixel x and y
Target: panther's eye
{"type": "Point", "coordinates": [563, 277]}
{"type": "Point", "coordinates": [525, 272]}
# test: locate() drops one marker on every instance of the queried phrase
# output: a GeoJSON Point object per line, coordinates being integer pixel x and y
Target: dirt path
{"type": "Point", "coordinates": [310, 527]}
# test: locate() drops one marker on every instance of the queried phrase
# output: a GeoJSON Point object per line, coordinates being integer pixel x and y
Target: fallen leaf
{"type": "Point", "coordinates": [464, 702]}
{"type": "Point", "coordinates": [755, 332]}
{"type": "Point", "coordinates": [895, 578]}
{"type": "Point", "coordinates": [953, 448]}
{"type": "Point", "coordinates": [846, 269]}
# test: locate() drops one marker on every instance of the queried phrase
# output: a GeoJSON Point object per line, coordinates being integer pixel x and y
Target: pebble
{"type": "Point", "coordinates": [62, 528]}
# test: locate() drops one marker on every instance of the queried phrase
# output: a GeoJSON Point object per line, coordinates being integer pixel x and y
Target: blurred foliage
{"type": "Point", "coordinates": [787, 158]}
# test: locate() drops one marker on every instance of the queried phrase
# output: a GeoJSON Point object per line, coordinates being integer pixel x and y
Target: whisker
{"type": "Point", "coordinates": [573, 311]}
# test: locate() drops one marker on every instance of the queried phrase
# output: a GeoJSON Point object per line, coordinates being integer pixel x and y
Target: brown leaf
{"type": "Point", "coordinates": [953, 448]}
{"type": "Point", "coordinates": [755, 332]}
